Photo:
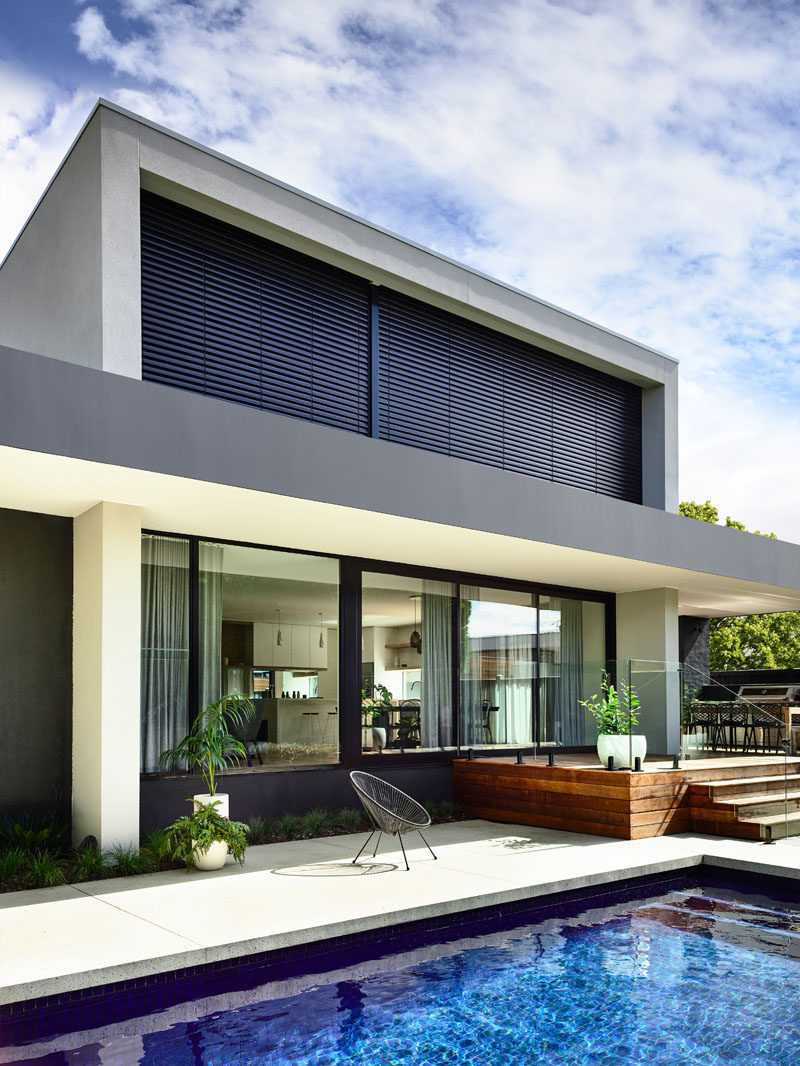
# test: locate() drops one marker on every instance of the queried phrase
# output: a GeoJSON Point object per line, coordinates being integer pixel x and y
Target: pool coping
{"type": "Point", "coordinates": [451, 888]}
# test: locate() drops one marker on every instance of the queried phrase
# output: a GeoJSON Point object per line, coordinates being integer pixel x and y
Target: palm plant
{"type": "Point", "coordinates": [210, 746]}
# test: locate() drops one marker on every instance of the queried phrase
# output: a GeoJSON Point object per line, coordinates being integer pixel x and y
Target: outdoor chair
{"type": "Point", "coordinates": [247, 733]}
{"type": "Point", "coordinates": [389, 810]}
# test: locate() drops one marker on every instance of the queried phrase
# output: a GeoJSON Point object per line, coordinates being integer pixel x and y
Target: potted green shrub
{"type": "Point", "coordinates": [210, 746]}
{"type": "Point", "coordinates": [204, 837]}
{"type": "Point", "coordinates": [615, 712]}
{"type": "Point", "coordinates": [376, 703]}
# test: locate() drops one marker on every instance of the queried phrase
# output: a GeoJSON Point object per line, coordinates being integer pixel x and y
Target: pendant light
{"type": "Point", "coordinates": [279, 640]}
{"type": "Point", "coordinates": [321, 641]}
{"type": "Point", "coordinates": [415, 640]}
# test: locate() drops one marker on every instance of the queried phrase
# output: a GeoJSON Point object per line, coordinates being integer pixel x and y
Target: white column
{"type": "Point", "coordinates": [647, 631]}
{"type": "Point", "coordinates": [106, 671]}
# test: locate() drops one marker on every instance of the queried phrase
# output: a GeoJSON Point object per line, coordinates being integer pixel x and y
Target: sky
{"type": "Point", "coordinates": [635, 162]}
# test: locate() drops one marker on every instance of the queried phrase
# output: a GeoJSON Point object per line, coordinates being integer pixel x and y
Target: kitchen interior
{"type": "Point", "coordinates": [280, 647]}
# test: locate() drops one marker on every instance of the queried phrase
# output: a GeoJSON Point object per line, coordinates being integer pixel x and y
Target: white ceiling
{"type": "Point", "coordinates": [62, 485]}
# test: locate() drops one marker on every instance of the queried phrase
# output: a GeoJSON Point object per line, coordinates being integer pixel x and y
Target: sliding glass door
{"type": "Point", "coordinates": [499, 643]}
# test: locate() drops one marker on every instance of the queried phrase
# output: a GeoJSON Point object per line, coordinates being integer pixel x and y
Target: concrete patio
{"type": "Point", "coordinates": [79, 936]}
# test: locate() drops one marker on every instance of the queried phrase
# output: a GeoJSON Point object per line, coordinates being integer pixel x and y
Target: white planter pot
{"type": "Point", "coordinates": [220, 798]}
{"type": "Point", "coordinates": [378, 737]}
{"type": "Point", "coordinates": [625, 748]}
{"type": "Point", "coordinates": [213, 858]}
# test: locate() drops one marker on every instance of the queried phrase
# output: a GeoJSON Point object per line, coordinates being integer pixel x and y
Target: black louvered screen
{"type": "Point", "coordinates": [452, 386]}
{"type": "Point", "coordinates": [232, 315]}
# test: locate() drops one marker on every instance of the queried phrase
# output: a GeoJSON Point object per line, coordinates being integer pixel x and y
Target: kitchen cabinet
{"type": "Point", "coordinates": [300, 648]}
{"type": "Point", "coordinates": [318, 657]}
{"type": "Point", "coordinates": [265, 649]}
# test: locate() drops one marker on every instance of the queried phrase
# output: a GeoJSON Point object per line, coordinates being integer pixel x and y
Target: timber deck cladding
{"type": "Point", "coordinates": [585, 799]}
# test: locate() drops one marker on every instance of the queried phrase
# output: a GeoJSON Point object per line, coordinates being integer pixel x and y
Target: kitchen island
{"type": "Point", "coordinates": [301, 721]}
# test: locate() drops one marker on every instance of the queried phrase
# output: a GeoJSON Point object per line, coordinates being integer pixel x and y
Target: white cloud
{"type": "Point", "coordinates": [635, 163]}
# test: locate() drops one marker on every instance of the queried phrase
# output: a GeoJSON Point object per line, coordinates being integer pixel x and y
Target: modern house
{"type": "Point", "coordinates": [252, 443]}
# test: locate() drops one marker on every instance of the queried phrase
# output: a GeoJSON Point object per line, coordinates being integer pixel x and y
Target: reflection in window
{"type": "Point", "coordinates": [406, 664]}
{"type": "Point", "coordinates": [268, 628]}
{"type": "Point", "coordinates": [572, 650]}
{"type": "Point", "coordinates": [498, 666]}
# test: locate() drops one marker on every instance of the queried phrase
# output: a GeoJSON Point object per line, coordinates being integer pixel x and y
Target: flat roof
{"type": "Point", "coordinates": [342, 213]}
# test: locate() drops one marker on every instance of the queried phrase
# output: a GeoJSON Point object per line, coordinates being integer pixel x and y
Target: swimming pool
{"type": "Point", "coordinates": [698, 974]}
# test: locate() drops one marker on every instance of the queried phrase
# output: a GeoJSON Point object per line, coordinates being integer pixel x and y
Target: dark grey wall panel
{"type": "Point", "coordinates": [234, 316]}
{"type": "Point", "coordinates": [270, 794]}
{"type": "Point", "coordinates": [36, 658]}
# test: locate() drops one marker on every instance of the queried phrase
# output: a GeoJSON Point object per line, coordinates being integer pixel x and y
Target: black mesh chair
{"type": "Point", "coordinates": [389, 810]}
{"type": "Point", "coordinates": [247, 732]}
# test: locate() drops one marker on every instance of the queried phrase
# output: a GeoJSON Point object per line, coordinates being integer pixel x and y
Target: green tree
{"type": "Point", "coordinates": [754, 641]}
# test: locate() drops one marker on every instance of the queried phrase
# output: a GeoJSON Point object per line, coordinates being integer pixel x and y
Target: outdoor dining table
{"type": "Point", "coordinates": [732, 716]}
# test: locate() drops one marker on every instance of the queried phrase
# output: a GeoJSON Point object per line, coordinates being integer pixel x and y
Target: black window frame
{"type": "Point", "coordinates": [351, 571]}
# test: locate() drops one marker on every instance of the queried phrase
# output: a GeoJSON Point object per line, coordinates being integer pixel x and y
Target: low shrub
{"type": "Point", "coordinates": [157, 848]}
{"type": "Point", "coordinates": [258, 830]}
{"type": "Point", "coordinates": [289, 826]}
{"type": "Point", "coordinates": [317, 821]}
{"type": "Point", "coordinates": [349, 819]}
{"type": "Point", "coordinates": [127, 862]}
{"type": "Point", "coordinates": [44, 870]}
{"type": "Point", "coordinates": [448, 809]}
{"type": "Point", "coordinates": [90, 864]}
{"type": "Point", "coordinates": [34, 829]}
{"type": "Point", "coordinates": [11, 862]}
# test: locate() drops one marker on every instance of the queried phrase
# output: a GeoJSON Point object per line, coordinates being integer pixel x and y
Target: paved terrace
{"type": "Point", "coordinates": [77, 936]}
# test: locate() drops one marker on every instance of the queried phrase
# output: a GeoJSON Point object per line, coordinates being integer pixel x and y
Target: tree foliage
{"type": "Point", "coordinates": [750, 642]}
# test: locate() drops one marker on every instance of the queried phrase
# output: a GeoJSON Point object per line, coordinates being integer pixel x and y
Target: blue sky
{"type": "Point", "coordinates": [635, 162]}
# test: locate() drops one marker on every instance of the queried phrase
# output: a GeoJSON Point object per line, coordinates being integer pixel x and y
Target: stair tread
{"type": "Point", "coordinates": [773, 819]}
{"type": "Point", "coordinates": [727, 782]}
{"type": "Point", "coordinates": [764, 797]}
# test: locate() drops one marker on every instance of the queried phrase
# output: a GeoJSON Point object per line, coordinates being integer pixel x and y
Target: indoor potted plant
{"type": "Point", "coordinates": [204, 837]}
{"type": "Point", "coordinates": [376, 703]}
{"type": "Point", "coordinates": [614, 711]}
{"type": "Point", "coordinates": [211, 747]}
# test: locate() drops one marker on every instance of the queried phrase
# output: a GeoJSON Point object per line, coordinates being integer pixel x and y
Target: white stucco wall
{"type": "Point", "coordinates": [106, 672]}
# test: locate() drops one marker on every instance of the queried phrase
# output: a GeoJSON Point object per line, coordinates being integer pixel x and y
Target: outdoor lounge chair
{"type": "Point", "coordinates": [389, 810]}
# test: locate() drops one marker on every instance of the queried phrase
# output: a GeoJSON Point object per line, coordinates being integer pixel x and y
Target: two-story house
{"type": "Point", "coordinates": [252, 443]}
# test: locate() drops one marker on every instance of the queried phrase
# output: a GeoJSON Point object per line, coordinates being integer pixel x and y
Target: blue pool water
{"type": "Point", "coordinates": [696, 975]}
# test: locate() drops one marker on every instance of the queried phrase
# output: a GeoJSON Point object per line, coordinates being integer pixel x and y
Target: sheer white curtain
{"type": "Point", "coordinates": [165, 646]}
{"type": "Point", "coordinates": [513, 693]}
{"type": "Point", "coordinates": [210, 622]}
{"type": "Point", "coordinates": [436, 698]}
{"type": "Point", "coordinates": [470, 709]}
{"type": "Point", "coordinates": [569, 684]}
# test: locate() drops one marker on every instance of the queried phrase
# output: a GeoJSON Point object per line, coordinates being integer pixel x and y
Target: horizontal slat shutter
{"type": "Point", "coordinates": [232, 315]}
{"type": "Point", "coordinates": [452, 386]}
{"type": "Point", "coordinates": [414, 372]}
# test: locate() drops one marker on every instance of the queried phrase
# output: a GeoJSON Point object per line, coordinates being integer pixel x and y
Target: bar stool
{"type": "Point", "coordinates": [312, 718]}
{"type": "Point", "coordinates": [332, 719]}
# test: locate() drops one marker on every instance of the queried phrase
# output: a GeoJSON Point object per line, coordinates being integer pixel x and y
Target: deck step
{"type": "Point", "coordinates": [753, 807]}
{"type": "Point", "coordinates": [719, 790]}
{"type": "Point", "coordinates": [778, 824]}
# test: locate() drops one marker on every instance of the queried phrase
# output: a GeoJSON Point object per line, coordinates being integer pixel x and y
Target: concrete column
{"type": "Point", "coordinates": [647, 632]}
{"type": "Point", "coordinates": [106, 671]}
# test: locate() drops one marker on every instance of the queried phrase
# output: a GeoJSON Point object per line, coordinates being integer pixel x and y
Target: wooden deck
{"type": "Point", "coordinates": [578, 795]}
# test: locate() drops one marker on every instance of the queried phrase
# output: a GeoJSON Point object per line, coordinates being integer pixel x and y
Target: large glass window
{"type": "Point", "coordinates": [268, 628]}
{"type": "Point", "coordinates": [571, 663]}
{"type": "Point", "coordinates": [406, 664]}
{"type": "Point", "coordinates": [498, 667]}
